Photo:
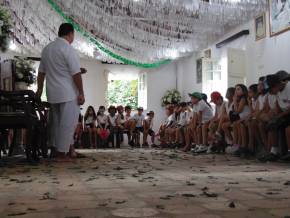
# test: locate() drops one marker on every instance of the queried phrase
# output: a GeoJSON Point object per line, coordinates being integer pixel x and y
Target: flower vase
{"type": "Point", "coordinates": [21, 86]}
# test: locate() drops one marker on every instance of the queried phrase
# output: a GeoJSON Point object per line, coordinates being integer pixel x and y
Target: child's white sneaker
{"type": "Point", "coordinates": [193, 150]}
{"type": "Point", "coordinates": [202, 149]}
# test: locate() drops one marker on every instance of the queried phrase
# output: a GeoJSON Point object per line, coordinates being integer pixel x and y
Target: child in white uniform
{"type": "Point", "coordinates": [138, 124]}
{"type": "Point", "coordinates": [148, 129]}
{"type": "Point", "coordinates": [205, 114]}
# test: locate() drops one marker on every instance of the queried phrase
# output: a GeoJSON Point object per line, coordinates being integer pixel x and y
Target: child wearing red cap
{"type": "Point", "coordinates": [218, 100]}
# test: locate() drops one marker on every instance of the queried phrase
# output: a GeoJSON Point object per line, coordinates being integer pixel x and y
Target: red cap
{"type": "Point", "coordinates": [215, 96]}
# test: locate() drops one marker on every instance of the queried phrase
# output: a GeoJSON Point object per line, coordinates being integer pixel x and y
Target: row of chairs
{"type": "Point", "coordinates": [20, 110]}
{"type": "Point", "coordinates": [114, 140]}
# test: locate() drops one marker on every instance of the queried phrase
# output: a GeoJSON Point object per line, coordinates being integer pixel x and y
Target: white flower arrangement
{"type": "Point", "coordinates": [171, 97]}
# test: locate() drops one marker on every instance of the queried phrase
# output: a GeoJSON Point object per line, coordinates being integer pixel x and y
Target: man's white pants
{"type": "Point", "coordinates": [63, 124]}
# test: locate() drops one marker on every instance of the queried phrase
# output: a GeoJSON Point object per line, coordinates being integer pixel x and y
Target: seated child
{"type": "Point", "coordinates": [120, 121]}
{"type": "Point", "coordinates": [114, 129]}
{"type": "Point", "coordinates": [280, 123]}
{"type": "Point", "coordinates": [128, 122]}
{"type": "Point", "coordinates": [218, 100]}
{"type": "Point", "coordinates": [239, 114]}
{"type": "Point", "coordinates": [138, 125]}
{"type": "Point", "coordinates": [181, 124]}
{"type": "Point", "coordinates": [224, 128]}
{"type": "Point", "coordinates": [90, 125]}
{"type": "Point", "coordinates": [205, 114]}
{"type": "Point", "coordinates": [148, 129]}
{"type": "Point", "coordinates": [169, 122]}
{"type": "Point", "coordinates": [170, 133]}
{"type": "Point", "coordinates": [251, 121]}
{"type": "Point", "coordinates": [190, 136]}
{"type": "Point", "coordinates": [103, 123]}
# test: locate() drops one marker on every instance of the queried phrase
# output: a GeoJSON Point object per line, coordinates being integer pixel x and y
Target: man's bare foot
{"type": "Point", "coordinates": [62, 157]}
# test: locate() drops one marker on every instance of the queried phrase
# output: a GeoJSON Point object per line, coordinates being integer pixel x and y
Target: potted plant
{"type": "Point", "coordinates": [25, 74]}
{"type": "Point", "coordinates": [171, 97]}
{"type": "Point", "coordinates": [5, 29]}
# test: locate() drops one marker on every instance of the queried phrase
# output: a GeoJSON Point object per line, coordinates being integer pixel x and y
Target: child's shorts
{"type": "Point", "coordinates": [90, 125]}
{"type": "Point", "coordinates": [139, 129]}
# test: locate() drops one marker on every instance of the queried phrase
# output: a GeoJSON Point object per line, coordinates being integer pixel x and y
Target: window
{"type": "Point", "coordinates": [212, 70]}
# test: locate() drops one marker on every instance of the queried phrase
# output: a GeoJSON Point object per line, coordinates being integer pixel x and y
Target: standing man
{"type": "Point", "coordinates": [60, 65]}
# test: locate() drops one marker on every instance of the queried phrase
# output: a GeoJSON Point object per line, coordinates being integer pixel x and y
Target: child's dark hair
{"type": "Point", "coordinates": [183, 104]}
{"type": "Point", "coordinates": [245, 92]}
{"type": "Point", "coordinates": [204, 97]}
{"type": "Point", "coordinates": [263, 80]}
{"type": "Point", "coordinates": [112, 108]}
{"type": "Point", "coordinates": [231, 91]}
{"type": "Point", "coordinates": [128, 108]}
{"type": "Point", "coordinates": [101, 108]}
{"type": "Point", "coordinates": [254, 88]}
{"type": "Point", "coordinates": [87, 113]}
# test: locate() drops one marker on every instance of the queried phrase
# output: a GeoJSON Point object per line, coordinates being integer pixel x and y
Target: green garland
{"type": "Point", "coordinates": [99, 45]}
{"type": "Point", "coordinates": [5, 29]}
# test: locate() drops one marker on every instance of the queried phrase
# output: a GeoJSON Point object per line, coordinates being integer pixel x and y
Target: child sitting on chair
{"type": "Point", "coordinates": [138, 125]}
{"type": "Point", "coordinates": [181, 125]}
{"type": "Point", "coordinates": [113, 125]}
{"type": "Point", "coordinates": [148, 129]}
{"type": "Point", "coordinates": [90, 125]}
{"type": "Point", "coordinates": [169, 122]}
{"type": "Point", "coordinates": [120, 122]}
{"type": "Point", "coordinates": [128, 122]}
{"type": "Point", "coordinates": [103, 123]}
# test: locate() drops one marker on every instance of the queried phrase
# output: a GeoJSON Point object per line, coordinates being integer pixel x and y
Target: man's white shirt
{"type": "Point", "coordinates": [59, 62]}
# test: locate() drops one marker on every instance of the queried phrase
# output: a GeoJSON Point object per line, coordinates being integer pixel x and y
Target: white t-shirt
{"type": "Point", "coordinates": [245, 113]}
{"type": "Point", "coordinates": [261, 100]}
{"type": "Point", "coordinates": [195, 108]}
{"type": "Point", "coordinates": [128, 117]}
{"type": "Point", "coordinates": [120, 119]}
{"type": "Point", "coordinates": [112, 120]}
{"type": "Point", "coordinates": [170, 120]}
{"type": "Point", "coordinates": [89, 120]}
{"type": "Point", "coordinates": [229, 107]}
{"type": "Point", "coordinates": [207, 113]}
{"type": "Point", "coordinates": [59, 62]}
{"type": "Point", "coordinates": [283, 98]}
{"type": "Point", "coordinates": [102, 119]}
{"type": "Point", "coordinates": [139, 120]}
{"type": "Point", "coordinates": [219, 109]}
{"type": "Point", "coordinates": [254, 104]}
{"type": "Point", "coordinates": [272, 99]}
{"type": "Point", "coordinates": [149, 121]}
{"type": "Point", "coordinates": [182, 118]}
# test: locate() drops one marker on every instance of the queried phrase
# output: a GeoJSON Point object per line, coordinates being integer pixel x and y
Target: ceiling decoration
{"type": "Point", "coordinates": [138, 32]}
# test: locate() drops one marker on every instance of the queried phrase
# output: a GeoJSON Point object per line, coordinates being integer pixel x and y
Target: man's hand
{"type": "Point", "coordinates": [81, 99]}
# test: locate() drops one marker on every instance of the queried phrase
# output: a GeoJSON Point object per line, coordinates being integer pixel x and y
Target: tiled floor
{"type": "Point", "coordinates": [146, 183]}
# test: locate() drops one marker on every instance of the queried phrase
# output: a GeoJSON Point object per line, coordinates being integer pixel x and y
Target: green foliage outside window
{"type": "Point", "coordinates": [123, 92]}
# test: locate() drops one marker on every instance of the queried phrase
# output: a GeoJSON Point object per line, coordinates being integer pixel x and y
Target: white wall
{"type": "Point", "coordinates": [187, 66]}
{"type": "Point", "coordinates": [263, 57]}
{"type": "Point", "coordinates": [159, 81]}
{"type": "Point", "coordinates": [94, 84]}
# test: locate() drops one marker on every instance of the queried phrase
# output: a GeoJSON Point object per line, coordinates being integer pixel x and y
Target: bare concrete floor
{"type": "Point", "coordinates": [146, 183]}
